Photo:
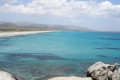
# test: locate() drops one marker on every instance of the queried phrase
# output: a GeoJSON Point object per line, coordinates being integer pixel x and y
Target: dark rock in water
{"type": "Point", "coordinates": [18, 78]}
{"type": "Point", "coordinates": [101, 71]}
{"type": "Point", "coordinates": [109, 48]}
{"type": "Point", "coordinates": [36, 72]}
{"type": "Point", "coordinates": [45, 78]}
{"type": "Point", "coordinates": [102, 56]}
{"type": "Point", "coordinates": [114, 48]}
{"type": "Point", "coordinates": [49, 57]}
{"type": "Point", "coordinates": [22, 68]}
{"type": "Point", "coordinates": [64, 71]}
{"type": "Point", "coordinates": [99, 48]}
{"type": "Point", "coordinates": [109, 38]}
{"type": "Point", "coordinates": [39, 56]}
{"type": "Point", "coordinates": [118, 58]}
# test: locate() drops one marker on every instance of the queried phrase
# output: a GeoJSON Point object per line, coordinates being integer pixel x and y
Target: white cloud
{"type": "Point", "coordinates": [76, 20]}
{"type": "Point", "coordinates": [11, 1]}
{"type": "Point", "coordinates": [64, 8]}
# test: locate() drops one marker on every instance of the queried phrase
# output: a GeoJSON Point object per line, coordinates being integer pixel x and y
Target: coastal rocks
{"type": "Point", "coordinates": [7, 76]}
{"type": "Point", "coordinates": [66, 78]}
{"type": "Point", "coordinates": [101, 71]}
{"type": "Point", "coordinates": [70, 78]}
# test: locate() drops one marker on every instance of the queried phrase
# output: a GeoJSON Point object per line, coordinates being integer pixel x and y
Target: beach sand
{"type": "Point", "coordinates": [20, 33]}
{"type": "Point", "coordinates": [70, 78]}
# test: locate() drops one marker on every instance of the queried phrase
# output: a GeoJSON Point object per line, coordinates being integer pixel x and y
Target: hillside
{"type": "Point", "coordinates": [27, 26]}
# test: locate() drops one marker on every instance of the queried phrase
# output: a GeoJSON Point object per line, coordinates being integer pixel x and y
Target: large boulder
{"type": "Point", "coordinates": [66, 78]}
{"type": "Point", "coordinates": [101, 71]}
{"type": "Point", "coordinates": [7, 76]}
{"type": "Point", "coordinates": [70, 78]}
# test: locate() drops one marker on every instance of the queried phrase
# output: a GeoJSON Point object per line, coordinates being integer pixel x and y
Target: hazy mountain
{"type": "Point", "coordinates": [26, 26]}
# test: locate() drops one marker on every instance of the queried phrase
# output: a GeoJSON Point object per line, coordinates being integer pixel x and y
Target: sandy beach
{"type": "Point", "coordinates": [20, 33]}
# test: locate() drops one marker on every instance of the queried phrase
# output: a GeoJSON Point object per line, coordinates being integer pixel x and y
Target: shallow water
{"type": "Point", "coordinates": [57, 53]}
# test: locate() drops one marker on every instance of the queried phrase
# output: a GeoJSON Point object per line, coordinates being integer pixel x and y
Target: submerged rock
{"type": "Point", "coordinates": [7, 76]}
{"type": "Point", "coordinates": [36, 72]}
{"type": "Point", "coordinates": [45, 77]}
{"type": "Point", "coordinates": [64, 71]}
{"type": "Point", "coordinates": [101, 71]}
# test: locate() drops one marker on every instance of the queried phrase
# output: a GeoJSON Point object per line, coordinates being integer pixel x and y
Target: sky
{"type": "Point", "coordinates": [100, 15]}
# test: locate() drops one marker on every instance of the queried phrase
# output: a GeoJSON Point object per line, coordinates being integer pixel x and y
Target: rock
{"type": "Point", "coordinates": [18, 78]}
{"type": "Point", "coordinates": [45, 77]}
{"type": "Point", "coordinates": [36, 72]}
{"type": "Point", "coordinates": [66, 78]}
{"type": "Point", "coordinates": [101, 71]}
{"type": "Point", "coordinates": [70, 78]}
{"type": "Point", "coordinates": [64, 71]}
{"type": "Point", "coordinates": [7, 76]}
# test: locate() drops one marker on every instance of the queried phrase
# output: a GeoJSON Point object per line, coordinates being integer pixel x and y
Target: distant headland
{"type": "Point", "coordinates": [27, 26]}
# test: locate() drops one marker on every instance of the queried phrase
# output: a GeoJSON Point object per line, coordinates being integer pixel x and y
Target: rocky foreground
{"type": "Point", "coordinates": [98, 71]}
{"type": "Point", "coordinates": [7, 76]}
{"type": "Point", "coordinates": [101, 71]}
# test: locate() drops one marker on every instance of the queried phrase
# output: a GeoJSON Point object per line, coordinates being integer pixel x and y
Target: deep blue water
{"type": "Point", "coordinates": [57, 53]}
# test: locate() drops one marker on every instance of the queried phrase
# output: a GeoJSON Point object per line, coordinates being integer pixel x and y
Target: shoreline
{"type": "Point", "coordinates": [20, 33]}
{"type": "Point", "coordinates": [98, 71]}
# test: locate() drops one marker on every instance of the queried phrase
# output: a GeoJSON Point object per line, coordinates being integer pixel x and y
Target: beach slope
{"type": "Point", "coordinates": [20, 33]}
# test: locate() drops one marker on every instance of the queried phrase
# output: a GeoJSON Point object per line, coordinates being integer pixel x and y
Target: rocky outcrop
{"type": "Point", "coordinates": [66, 78]}
{"type": "Point", "coordinates": [7, 76]}
{"type": "Point", "coordinates": [70, 78]}
{"type": "Point", "coordinates": [98, 71]}
{"type": "Point", "coordinates": [101, 71]}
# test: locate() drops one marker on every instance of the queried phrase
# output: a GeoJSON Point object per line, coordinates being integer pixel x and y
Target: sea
{"type": "Point", "coordinates": [62, 53]}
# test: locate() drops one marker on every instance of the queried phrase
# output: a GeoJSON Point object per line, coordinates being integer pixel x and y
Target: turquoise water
{"type": "Point", "coordinates": [57, 53]}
